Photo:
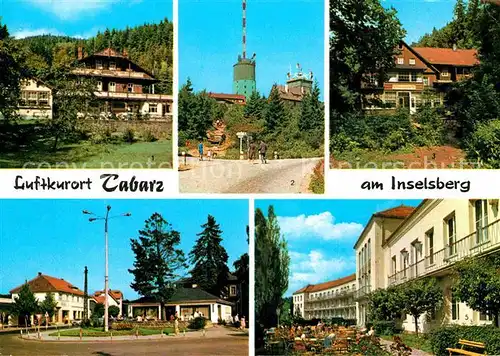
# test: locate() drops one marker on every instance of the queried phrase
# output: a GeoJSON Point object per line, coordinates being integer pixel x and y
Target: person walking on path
{"type": "Point", "coordinates": [242, 323]}
{"type": "Point", "coordinates": [251, 152]}
{"type": "Point", "coordinates": [176, 323]}
{"type": "Point", "coordinates": [200, 150]}
{"type": "Point", "coordinates": [262, 151]}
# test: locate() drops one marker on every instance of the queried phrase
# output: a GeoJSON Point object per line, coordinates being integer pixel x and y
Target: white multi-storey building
{"type": "Point", "coordinates": [405, 243]}
{"type": "Point", "coordinates": [68, 297]}
{"type": "Point", "coordinates": [327, 300]}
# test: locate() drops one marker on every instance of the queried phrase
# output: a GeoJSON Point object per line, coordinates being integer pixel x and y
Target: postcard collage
{"type": "Point", "coordinates": [249, 177]}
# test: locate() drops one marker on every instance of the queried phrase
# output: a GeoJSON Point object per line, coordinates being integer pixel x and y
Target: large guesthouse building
{"type": "Point", "coordinates": [327, 300]}
{"type": "Point", "coordinates": [420, 75]}
{"type": "Point", "coordinates": [123, 87]}
{"type": "Point", "coordinates": [405, 243]}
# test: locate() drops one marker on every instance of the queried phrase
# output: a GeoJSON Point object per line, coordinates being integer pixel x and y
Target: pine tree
{"type": "Point", "coordinates": [25, 304]}
{"type": "Point", "coordinates": [48, 305]}
{"type": "Point", "coordinates": [158, 261]}
{"type": "Point", "coordinates": [209, 258]}
{"type": "Point", "coordinates": [271, 268]}
{"type": "Point", "coordinates": [312, 116]}
{"type": "Point", "coordinates": [186, 105]}
{"type": "Point", "coordinates": [459, 23]}
{"type": "Point", "coordinates": [275, 112]}
{"type": "Point", "coordinates": [255, 106]}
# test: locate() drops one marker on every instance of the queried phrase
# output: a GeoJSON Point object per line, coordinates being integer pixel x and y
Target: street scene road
{"type": "Point", "coordinates": [241, 176]}
{"type": "Point", "coordinates": [217, 341]}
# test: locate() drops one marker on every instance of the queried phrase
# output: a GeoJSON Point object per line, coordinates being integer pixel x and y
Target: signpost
{"type": "Point", "coordinates": [241, 135]}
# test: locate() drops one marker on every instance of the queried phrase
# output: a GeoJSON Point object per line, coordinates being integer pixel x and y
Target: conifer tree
{"type": "Point", "coordinates": [255, 106]}
{"type": "Point", "coordinates": [275, 112]}
{"type": "Point", "coordinates": [25, 304]}
{"type": "Point", "coordinates": [209, 258]}
{"type": "Point", "coordinates": [312, 116]}
{"type": "Point", "coordinates": [158, 260]}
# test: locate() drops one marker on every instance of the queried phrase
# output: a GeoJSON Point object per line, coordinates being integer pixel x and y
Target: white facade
{"type": "Point", "coordinates": [327, 300]}
{"type": "Point", "coordinates": [36, 100]}
{"type": "Point", "coordinates": [69, 306]}
{"type": "Point", "coordinates": [427, 243]}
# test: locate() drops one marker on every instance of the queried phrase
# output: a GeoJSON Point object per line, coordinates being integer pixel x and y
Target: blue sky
{"type": "Point", "coordinates": [55, 238]}
{"type": "Point", "coordinates": [280, 32]}
{"type": "Point", "coordinates": [321, 235]}
{"type": "Point", "coordinates": [80, 18]}
{"type": "Point", "coordinates": [420, 16]}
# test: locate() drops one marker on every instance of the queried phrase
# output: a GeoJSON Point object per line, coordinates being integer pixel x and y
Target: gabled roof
{"type": "Point", "coordinates": [449, 56]}
{"type": "Point", "coordinates": [187, 295]}
{"type": "Point", "coordinates": [115, 294]}
{"type": "Point", "coordinates": [326, 285]}
{"type": "Point", "coordinates": [109, 52]}
{"type": "Point", "coordinates": [43, 284]}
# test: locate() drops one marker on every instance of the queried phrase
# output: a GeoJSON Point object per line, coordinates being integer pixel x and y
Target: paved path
{"type": "Point", "coordinates": [235, 176]}
{"type": "Point", "coordinates": [414, 352]}
{"type": "Point", "coordinates": [217, 341]}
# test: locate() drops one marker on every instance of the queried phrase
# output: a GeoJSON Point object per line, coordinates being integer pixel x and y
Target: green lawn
{"type": "Point", "coordinates": [29, 145]}
{"type": "Point", "coordinates": [415, 342]}
{"type": "Point", "coordinates": [98, 332]}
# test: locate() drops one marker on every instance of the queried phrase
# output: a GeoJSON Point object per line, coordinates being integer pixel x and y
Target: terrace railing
{"type": "Point", "coordinates": [484, 240]}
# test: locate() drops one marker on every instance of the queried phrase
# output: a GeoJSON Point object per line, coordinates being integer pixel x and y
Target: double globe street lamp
{"type": "Point", "coordinates": [106, 279]}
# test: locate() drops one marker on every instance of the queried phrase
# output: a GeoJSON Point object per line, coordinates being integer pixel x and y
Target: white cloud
{"type": "Point", "coordinates": [321, 225]}
{"type": "Point", "coordinates": [36, 32]}
{"type": "Point", "coordinates": [314, 267]}
{"type": "Point", "coordinates": [69, 9]}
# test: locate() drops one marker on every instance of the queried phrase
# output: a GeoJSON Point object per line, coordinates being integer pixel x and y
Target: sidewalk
{"type": "Point", "coordinates": [211, 333]}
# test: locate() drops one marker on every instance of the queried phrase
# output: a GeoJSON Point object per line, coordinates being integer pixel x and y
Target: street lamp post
{"type": "Point", "coordinates": [106, 278]}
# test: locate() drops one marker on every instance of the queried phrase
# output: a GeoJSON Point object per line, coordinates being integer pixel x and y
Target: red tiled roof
{"type": "Point", "coordinates": [448, 56]}
{"type": "Point", "coordinates": [399, 212]}
{"type": "Point", "coordinates": [326, 285]}
{"type": "Point", "coordinates": [43, 283]}
{"type": "Point", "coordinates": [99, 299]}
{"type": "Point", "coordinates": [115, 294]}
{"type": "Point", "coordinates": [226, 96]}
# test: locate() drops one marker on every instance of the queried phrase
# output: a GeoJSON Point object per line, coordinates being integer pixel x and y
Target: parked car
{"type": "Point", "coordinates": [76, 322]}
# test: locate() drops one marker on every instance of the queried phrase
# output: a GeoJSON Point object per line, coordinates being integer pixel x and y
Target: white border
{"type": "Point", "coordinates": [175, 148]}
{"type": "Point", "coordinates": [251, 296]}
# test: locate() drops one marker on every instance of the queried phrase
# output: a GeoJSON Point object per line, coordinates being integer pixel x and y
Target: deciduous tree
{"type": "Point", "coordinates": [477, 284]}
{"type": "Point", "coordinates": [271, 268]}
{"type": "Point", "coordinates": [48, 305]}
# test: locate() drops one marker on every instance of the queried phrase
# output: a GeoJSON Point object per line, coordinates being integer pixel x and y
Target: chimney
{"type": "Point", "coordinates": [80, 52]}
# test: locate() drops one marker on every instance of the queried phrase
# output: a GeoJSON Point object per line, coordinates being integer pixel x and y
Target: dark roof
{"type": "Point", "coordinates": [327, 285]}
{"type": "Point", "coordinates": [186, 295]}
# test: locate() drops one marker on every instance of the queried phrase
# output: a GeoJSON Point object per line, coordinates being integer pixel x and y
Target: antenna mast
{"type": "Point", "coordinates": [244, 29]}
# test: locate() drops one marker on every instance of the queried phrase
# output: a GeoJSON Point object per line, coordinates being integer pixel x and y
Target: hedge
{"type": "Point", "coordinates": [448, 336]}
{"type": "Point", "coordinates": [383, 327]}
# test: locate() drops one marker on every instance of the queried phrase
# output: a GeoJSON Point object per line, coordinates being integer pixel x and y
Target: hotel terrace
{"type": "Point", "coordinates": [327, 300]}
{"type": "Point", "coordinates": [404, 243]}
